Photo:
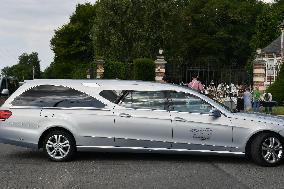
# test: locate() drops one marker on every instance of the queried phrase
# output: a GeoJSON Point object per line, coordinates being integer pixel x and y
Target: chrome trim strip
{"type": "Point", "coordinates": [143, 109]}
{"type": "Point", "coordinates": [24, 107]}
{"type": "Point", "coordinates": [173, 142]}
{"type": "Point", "coordinates": [76, 108]}
{"type": "Point", "coordinates": [96, 137]}
{"type": "Point", "coordinates": [59, 108]}
{"type": "Point", "coordinates": [163, 149]}
{"type": "Point", "coordinates": [160, 111]}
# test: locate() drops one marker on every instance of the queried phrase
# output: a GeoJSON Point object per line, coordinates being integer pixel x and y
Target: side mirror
{"type": "Point", "coordinates": [215, 113]}
{"type": "Point", "coordinates": [5, 92]}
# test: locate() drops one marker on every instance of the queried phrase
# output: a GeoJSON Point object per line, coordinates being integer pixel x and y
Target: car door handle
{"type": "Point", "coordinates": [179, 119]}
{"type": "Point", "coordinates": [124, 115]}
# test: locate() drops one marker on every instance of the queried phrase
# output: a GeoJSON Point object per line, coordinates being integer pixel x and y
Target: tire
{"type": "Point", "coordinates": [267, 150]}
{"type": "Point", "coordinates": [59, 146]}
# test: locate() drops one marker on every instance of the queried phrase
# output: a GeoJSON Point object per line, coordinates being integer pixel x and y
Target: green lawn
{"type": "Point", "coordinates": [278, 110]}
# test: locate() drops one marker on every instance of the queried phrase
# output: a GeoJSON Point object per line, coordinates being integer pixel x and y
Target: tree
{"type": "Point", "coordinates": [277, 88]}
{"type": "Point", "coordinates": [203, 33]}
{"type": "Point", "coordinates": [28, 65]}
{"type": "Point", "coordinates": [267, 25]}
{"type": "Point", "coordinates": [220, 31]}
{"type": "Point", "coordinates": [73, 46]}
{"type": "Point", "coordinates": [127, 29]}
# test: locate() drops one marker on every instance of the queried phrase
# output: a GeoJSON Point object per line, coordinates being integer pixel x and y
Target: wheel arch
{"type": "Point", "coordinates": [248, 144]}
{"type": "Point", "coordinates": [54, 128]}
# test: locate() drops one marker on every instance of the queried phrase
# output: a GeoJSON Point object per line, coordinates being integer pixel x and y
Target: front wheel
{"type": "Point", "coordinates": [59, 146]}
{"type": "Point", "coordinates": [267, 149]}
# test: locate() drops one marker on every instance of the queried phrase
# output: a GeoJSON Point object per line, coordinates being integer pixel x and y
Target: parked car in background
{"type": "Point", "coordinates": [66, 116]}
{"type": "Point", "coordinates": [8, 85]}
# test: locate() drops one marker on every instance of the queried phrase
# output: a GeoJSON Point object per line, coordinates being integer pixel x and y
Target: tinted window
{"type": "Point", "coordinates": [56, 96]}
{"type": "Point", "coordinates": [145, 100]}
{"type": "Point", "coordinates": [184, 102]}
{"type": "Point", "coordinates": [3, 84]}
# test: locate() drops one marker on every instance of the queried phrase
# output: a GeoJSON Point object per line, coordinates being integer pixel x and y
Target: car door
{"type": "Point", "coordinates": [141, 120]}
{"type": "Point", "coordinates": [193, 126]}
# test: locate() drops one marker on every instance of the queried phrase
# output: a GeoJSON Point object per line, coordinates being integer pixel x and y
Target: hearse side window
{"type": "Point", "coordinates": [111, 95]}
{"type": "Point", "coordinates": [184, 102]}
{"type": "Point", "coordinates": [154, 100]}
{"type": "Point", "coordinates": [56, 96]}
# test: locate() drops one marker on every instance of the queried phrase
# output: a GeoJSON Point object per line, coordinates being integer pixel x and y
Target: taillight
{"type": "Point", "coordinates": [5, 114]}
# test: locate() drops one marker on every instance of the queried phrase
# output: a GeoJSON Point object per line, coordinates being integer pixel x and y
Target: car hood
{"type": "Point", "coordinates": [279, 120]}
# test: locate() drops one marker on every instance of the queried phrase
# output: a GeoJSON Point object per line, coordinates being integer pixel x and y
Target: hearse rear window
{"type": "Point", "coordinates": [56, 96]}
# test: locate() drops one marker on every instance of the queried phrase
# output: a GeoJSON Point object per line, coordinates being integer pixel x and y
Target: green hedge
{"type": "Point", "coordinates": [139, 69]}
{"type": "Point", "coordinates": [144, 69]}
{"type": "Point", "coordinates": [277, 88]}
{"type": "Point", "coordinates": [115, 70]}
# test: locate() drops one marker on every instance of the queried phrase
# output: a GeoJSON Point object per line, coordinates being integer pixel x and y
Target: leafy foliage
{"type": "Point", "coordinates": [202, 33]}
{"type": "Point", "coordinates": [139, 69]}
{"type": "Point", "coordinates": [221, 30]}
{"type": "Point", "coordinates": [144, 69]}
{"type": "Point", "coordinates": [277, 88]}
{"type": "Point", "coordinates": [213, 33]}
{"type": "Point", "coordinates": [24, 69]}
{"type": "Point", "coordinates": [73, 46]}
{"type": "Point", "coordinates": [267, 25]}
{"type": "Point", "coordinates": [127, 29]}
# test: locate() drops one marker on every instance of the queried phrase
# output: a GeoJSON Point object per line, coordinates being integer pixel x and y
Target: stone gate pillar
{"type": "Point", "coordinates": [100, 68]}
{"type": "Point", "coordinates": [160, 68]}
{"type": "Point", "coordinates": [259, 74]}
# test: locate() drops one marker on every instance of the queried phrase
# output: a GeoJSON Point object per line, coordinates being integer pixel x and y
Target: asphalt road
{"type": "Point", "coordinates": [25, 168]}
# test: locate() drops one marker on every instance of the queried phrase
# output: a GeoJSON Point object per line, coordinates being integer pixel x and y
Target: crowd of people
{"type": "Point", "coordinates": [238, 97]}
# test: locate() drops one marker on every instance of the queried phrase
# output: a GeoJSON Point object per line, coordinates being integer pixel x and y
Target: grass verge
{"type": "Point", "coordinates": [278, 110]}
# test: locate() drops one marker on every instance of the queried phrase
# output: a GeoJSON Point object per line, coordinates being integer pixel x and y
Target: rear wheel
{"type": "Point", "coordinates": [267, 149]}
{"type": "Point", "coordinates": [59, 146]}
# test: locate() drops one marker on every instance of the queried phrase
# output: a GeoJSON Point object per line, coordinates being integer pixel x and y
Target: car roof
{"type": "Point", "coordinates": [88, 86]}
{"type": "Point", "coordinates": [113, 84]}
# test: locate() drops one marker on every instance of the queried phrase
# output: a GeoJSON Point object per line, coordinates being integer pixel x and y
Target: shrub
{"type": "Point", "coordinates": [115, 70]}
{"type": "Point", "coordinates": [277, 88]}
{"type": "Point", "coordinates": [144, 69]}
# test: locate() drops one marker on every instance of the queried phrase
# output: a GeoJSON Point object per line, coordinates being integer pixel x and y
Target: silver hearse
{"type": "Point", "coordinates": [65, 116]}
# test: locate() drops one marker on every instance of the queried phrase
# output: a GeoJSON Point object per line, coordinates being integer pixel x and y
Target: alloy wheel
{"type": "Point", "coordinates": [272, 150]}
{"type": "Point", "coordinates": [57, 146]}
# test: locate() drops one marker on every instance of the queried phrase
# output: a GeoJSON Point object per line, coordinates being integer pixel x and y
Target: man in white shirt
{"type": "Point", "coordinates": [247, 100]}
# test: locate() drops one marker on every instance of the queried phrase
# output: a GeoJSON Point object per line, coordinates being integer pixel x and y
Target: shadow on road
{"type": "Point", "coordinates": [83, 156]}
{"type": "Point", "coordinates": [103, 156]}
{"type": "Point", "coordinates": [33, 156]}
